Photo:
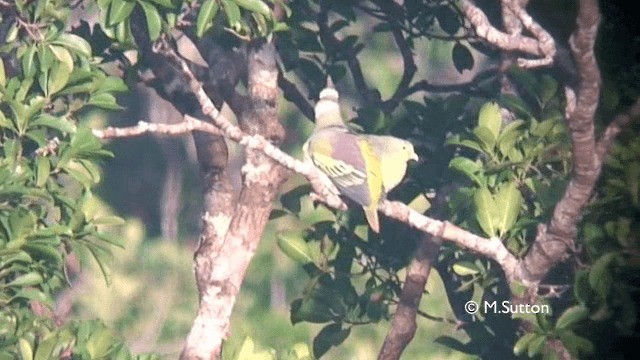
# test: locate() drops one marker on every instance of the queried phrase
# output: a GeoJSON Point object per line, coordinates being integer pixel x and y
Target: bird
{"type": "Point", "coordinates": [394, 154]}
{"type": "Point", "coordinates": [355, 163]}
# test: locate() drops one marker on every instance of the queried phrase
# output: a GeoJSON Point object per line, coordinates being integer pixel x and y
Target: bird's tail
{"type": "Point", "coordinates": [371, 212]}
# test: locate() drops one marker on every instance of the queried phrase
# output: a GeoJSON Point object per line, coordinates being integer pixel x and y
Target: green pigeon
{"type": "Point", "coordinates": [355, 163]}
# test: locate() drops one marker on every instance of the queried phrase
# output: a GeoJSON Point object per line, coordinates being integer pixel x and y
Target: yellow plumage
{"type": "Point", "coordinates": [394, 153]}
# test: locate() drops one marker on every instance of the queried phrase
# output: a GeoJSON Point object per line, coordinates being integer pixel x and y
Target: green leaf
{"type": "Point", "coordinates": [576, 344]}
{"type": "Point", "coordinates": [232, 11]}
{"type": "Point", "coordinates": [26, 352]}
{"type": "Point", "coordinates": [63, 56]}
{"type": "Point", "coordinates": [310, 310]}
{"type": "Point", "coordinates": [536, 345]}
{"type": "Point", "coordinates": [110, 238]}
{"type": "Point", "coordinates": [43, 252]}
{"type": "Point", "coordinates": [33, 294]}
{"type": "Point", "coordinates": [21, 256]}
{"type": "Point", "coordinates": [331, 335]}
{"type": "Point", "coordinates": [508, 137]}
{"type": "Point", "coordinates": [549, 89]}
{"type": "Point", "coordinates": [12, 34]}
{"type": "Point", "coordinates": [120, 10]}
{"type": "Point", "coordinates": [600, 277]}
{"type": "Point", "coordinates": [465, 268]}
{"type": "Point", "coordinates": [154, 21]}
{"type": "Point", "coordinates": [448, 19]}
{"type": "Point", "coordinates": [508, 201]}
{"type": "Point", "coordinates": [543, 128]}
{"type": "Point", "coordinates": [105, 101]}
{"type": "Point", "coordinates": [571, 316]}
{"type": "Point", "coordinates": [420, 203]}
{"type": "Point", "coordinates": [206, 15]}
{"type": "Point", "coordinates": [256, 6]}
{"type": "Point", "coordinates": [581, 288]}
{"type": "Point", "coordinates": [462, 58]}
{"type": "Point", "coordinates": [294, 246]}
{"type": "Point", "coordinates": [46, 347]}
{"type": "Point", "coordinates": [516, 104]}
{"type": "Point", "coordinates": [485, 210]}
{"type": "Point", "coordinates": [28, 279]}
{"type": "Point", "coordinates": [468, 167]}
{"type": "Point", "coordinates": [43, 169]}
{"type": "Point", "coordinates": [28, 62]}
{"type": "Point", "coordinates": [6, 123]}
{"type": "Point", "coordinates": [58, 78]}
{"type": "Point", "coordinates": [523, 343]}
{"type": "Point", "coordinates": [486, 139]}
{"type": "Point", "coordinates": [74, 43]}
{"type": "Point", "coordinates": [455, 344]}
{"type": "Point", "coordinates": [59, 123]}
{"type": "Point", "coordinates": [102, 257]}
{"type": "Point", "coordinates": [490, 118]}
{"type": "Point", "coordinates": [112, 84]}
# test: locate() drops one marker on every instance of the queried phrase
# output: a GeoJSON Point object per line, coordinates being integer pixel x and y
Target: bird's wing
{"type": "Point", "coordinates": [350, 163]}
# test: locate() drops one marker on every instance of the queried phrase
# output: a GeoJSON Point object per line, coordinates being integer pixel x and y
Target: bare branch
{"type": "Point", "coordinates": [542, 46]}
{"type": "Point", "coordinates": [615, 127]}
{"type": "Point", "coordinates": [293, 94]}
{"type": "Point", "coordinates": [183, 128]}
{"type": "Point", "coordinates": [326, 192]}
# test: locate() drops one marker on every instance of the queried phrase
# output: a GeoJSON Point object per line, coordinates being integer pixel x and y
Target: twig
{"type": "Point", "coordinates": [294, 95]}
{"type": "Point", "coordinates": [615, 127]}
{"type": "Point", "coordinates": [183, 128]}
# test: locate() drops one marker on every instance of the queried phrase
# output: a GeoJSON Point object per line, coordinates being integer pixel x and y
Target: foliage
{"type": "Point", "coordinates": [48, 166]}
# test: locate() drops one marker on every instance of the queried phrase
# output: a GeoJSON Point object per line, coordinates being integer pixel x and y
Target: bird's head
{"type": "Point", "coordinates": [407, 148]}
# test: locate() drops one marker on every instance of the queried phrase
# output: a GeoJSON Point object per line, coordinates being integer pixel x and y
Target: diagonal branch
{"type": "Point", "coordinates": [326, 192]}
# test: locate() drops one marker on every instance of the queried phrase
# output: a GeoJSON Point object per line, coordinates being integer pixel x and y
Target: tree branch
{"type": "Point", "coordinates": [403, 324]}
{"type": "Point", "coordinates": [555, 240]}
{"type": "Point", "coordinates": [542, 46]}
{"type": "Point", "coordinates": [326, 193]}
{"type": "Point", "coordinates": [615, 127]}
{"type": "Point", "coordinates": [291, 93]}
{"type": "Point", "coordinates": [185, 127]}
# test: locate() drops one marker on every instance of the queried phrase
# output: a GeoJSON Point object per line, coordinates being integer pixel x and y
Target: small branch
{"type": "Point", "coordinates": [546, 43]}
{"type": "Point", "coordinates": [333, 44]}
{"type": "Point", "coordinates": [184, 128]}
{"type": "Point", "coordinates": [326, 192]}
{"type": "Point", "coordinates": [615, 127]}
{"type": "Point", "coordinates": [424, 85]}
{"type": "Point", "coordinates": [492, 248]}
{"type": "Point", "coordinates": [542, 46]}
{"type": "Point", "coordinates": [293, 94]}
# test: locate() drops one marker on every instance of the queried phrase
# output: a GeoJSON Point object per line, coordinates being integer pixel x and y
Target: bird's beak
{"type": "Point", "coordinates": [415, 157]}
